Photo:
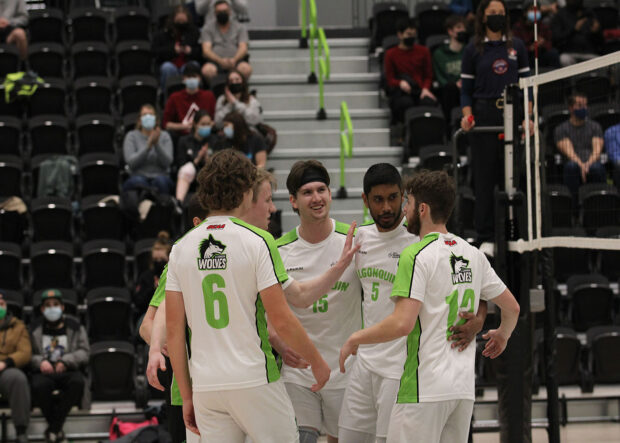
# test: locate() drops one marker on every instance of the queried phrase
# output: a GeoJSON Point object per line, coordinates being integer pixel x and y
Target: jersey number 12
{"type": "Point", "coordinates": [209, 284]}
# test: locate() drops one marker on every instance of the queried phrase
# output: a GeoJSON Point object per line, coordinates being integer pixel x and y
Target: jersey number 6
{"type": "Point", "coordinates": [211, 296]}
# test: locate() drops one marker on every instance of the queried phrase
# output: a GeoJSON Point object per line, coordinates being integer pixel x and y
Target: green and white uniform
{"type": "Point", "coordinates": [220, 266]}
{"type": "Point", "coordinates": [374, 382]}
{"type": "Point", "coordinates": [447, 275]}
{"type": "Point", "coordinates": [328, 322]}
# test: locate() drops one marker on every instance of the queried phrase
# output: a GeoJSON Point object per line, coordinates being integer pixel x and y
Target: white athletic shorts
{"type": "Point", "coordinates": [368, 401]}
{"type": "Point", "coordinates": [431, 422]}
{"type": "Point", "coordinates": [265, 414]}
{"type": "Point", "coordinates": [316, 409]}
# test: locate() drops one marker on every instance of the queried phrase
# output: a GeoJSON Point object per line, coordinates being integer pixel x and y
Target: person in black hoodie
{"type": "Point", "coordinates": [576, 33]}
{"type": "Point", "coordinates": [176, 45]}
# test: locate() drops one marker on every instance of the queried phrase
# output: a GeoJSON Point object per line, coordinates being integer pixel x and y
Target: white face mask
{"type": "Point", "coordinates": [52, 313]}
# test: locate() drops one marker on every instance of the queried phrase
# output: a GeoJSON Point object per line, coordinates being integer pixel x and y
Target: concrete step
{"type": "Point", "coordinates": [310, 100]}
{"type": "Point", "coordinates": [290, 220]}
{"type": "Point", "coordinates": [354, 176]}
{"type": "Point", "coordinates": [301, 65]}
{"type": "Point", "coordinates": [306, 119]}
{"type": "Point", "coordinates": [283, 159]}
{"type": "Point", "coordinates": [304, 138]}
{"type": "Point", "coordinates": [280, 83]}
{"type": "Point", "coordinates": [290, 48]}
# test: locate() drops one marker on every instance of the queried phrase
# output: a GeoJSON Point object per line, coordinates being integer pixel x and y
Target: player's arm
{"type": "Point", "coordinates": [147, 324]}
{"type": "Point", "coordinates": [290, 330]}
{"type": "Point", "coordinates": [498, 338]}
{"type": "Point", "coordinates": [463, 335]}
{"type": "Point", "coordinates": [289, 357]}
{"type": "Point", "coordinates": [157, 348]}
{"type": "Point", "coordinates": [303, 294]}
{"type": "Point", "coordinates": [398, 324]}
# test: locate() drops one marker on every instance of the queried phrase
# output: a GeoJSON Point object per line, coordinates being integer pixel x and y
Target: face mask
{"type": "Point", "coordinates": [52, 313]}
{"type": "Point", "coordinates": [147, 121]}
{"type": "Point", "coordinates": [204, 131]}
{"type": "Point", "coordinates": [531, 16]}
{"type": "Point", "coordinates": [409, 41]}
{"type": "Point", "coordinates": [158, 266]}
{"type": "Point", "coordinates": [2, 312]}
{"type": "Point", "coordinates": [181, 26]}
{"type": "Point", "coordinates": [235, 88]}
{"type": "Point", "coordinates": [222, 17]}
{"type": "Point", "coordinates": [192, 83]}
{"type": "Point", "coordinates": [462, 37]}
{"type": "Point", "coordinates": [496, 22]}
{"type": "Point", "coordinates": [581, 113]}
{"type": "Point", "coordinates": [229, 131]}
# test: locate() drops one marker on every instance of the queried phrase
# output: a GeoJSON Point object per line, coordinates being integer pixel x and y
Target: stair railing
{"type": "Point", "coordinates": [316, 37]}
{"type": "Point", "coordinates": [346, 146]}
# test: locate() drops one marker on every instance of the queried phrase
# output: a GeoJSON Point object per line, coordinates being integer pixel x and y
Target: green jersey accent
{"type": "Point", "coordinates": [406, 266]}
{"type": "Point", "coordinates": [408, 392]}
{"type": "Point", "coordinates": [287, 238]}
{"type": "Point", "coordinates": [342, 228]}
{"type": "Point", "coordinates": [160, 291]}
{"type": "Point", "coordinates": [271, 367]}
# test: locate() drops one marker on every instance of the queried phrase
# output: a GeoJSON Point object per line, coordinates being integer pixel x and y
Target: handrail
{"type": "Point", "coordinates": [312, 35]}
{"type": "Point", "coordinates": [303, 41]}
{"type": "Point", "coordinates": [346, 146]}
{"type": "Point", "coordinates": [324, 72]}
{"type": "Point", "coordinates": [317, 37]}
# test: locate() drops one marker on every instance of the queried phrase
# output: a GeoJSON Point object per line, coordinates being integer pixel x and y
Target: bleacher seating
{"type": "Point", "coordinates": [52, 219]}
{"type": "Point", "coordinates": [11, 136]}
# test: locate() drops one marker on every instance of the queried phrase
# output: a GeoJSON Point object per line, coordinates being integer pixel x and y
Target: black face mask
{"type": "Point", "coordinates": [409, 41]}
{"type": "Point", "coordinates": [235, 88]}
{"type": "Point", "coordinates": [181, 27]}
{"type": "Point", "coordinates": [158, 266]}
{"type": "Point", "coordinates": [462, 37]}
{"type": "Point", "coordinates": [496, 22]}
{"type": "Point", "coordinates": [222, 17]}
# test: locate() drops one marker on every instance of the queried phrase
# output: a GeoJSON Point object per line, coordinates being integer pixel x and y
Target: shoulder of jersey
{"type": "Point", "coordinates": [251, 228]}
{"type": "Point", "coordinates": [343, 228]}
{"type": "Point", "coordinates": [287, 238]}
{"type": "Point", "coordinates": [415, 248]}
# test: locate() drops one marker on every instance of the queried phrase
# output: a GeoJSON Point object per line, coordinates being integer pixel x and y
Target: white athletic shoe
{"type": "Point", "coordinates": [488, 248]}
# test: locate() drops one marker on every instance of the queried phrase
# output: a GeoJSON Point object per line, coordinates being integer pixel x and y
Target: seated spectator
{"type": "Point", "coordinates": [238, 135]}
{"type": "Point", "coordinates": [236, 98]}
{"type": "Point", "coordinates": [205, 8]}
{"type": "Point", "coordinates": [581, 141]}
{"type": "Point", "coordinates": [224, 43]}
{"type": "Point", "coordinates": [182, 105]}
{"type": "Point", "coordinates": [576, 33]}
{"type": "Point", "coordinates": [60, 353]}
{"type": "Point", "coordinates": [465, 9]}
{"type": "Point", "coordinates": [13, 21]}
{"type": "Point", "coordinates": [15, 353]}
{"type": "Point", "coordinates": [147, 150]}
{"type": "Point", "coordinates": [193, 150]}
{"type": "Point", "coordinates": [548, 56]}
{"type": "Point", "coordinates": [148, 280]}
{"type": "Point", "coordinates": [447, 63]}
{"type": "Point", "coordinates": [176, 45]}
{"type": "Point", "coordinates": [408, 72]}
{"type": "Point", "coordinates": [612, 146]}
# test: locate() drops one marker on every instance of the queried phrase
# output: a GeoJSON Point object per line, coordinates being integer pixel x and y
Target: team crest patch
{"type": "Point", "coordinates": [460, 271]}
{"type": "Point", "coordinates": [500, 66]}
{"type": "Point", "coordinates": [211, 254]}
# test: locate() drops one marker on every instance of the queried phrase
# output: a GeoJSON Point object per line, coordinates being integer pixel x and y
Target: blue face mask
{"type": "Point", "coordinates": [229, 131]}
{"type": "Point", "coordinates": [147, 121]}
{"type": "Point", "coordinates": [192, 83]}
{"type": "Point", "coordinates": [531, 16]}
{"type": "Point", "coordinates": [581, 113]}
{"type": "Point", "coordinates": [204, 131]}
{"type": "Point", "coordinates": [52, 313]}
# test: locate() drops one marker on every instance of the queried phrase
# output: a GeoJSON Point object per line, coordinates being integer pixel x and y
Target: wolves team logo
{"type": "Point", "coordinates": [500, 66]}
{"type": "Point", "coordinates": [211, 254]}
{"type": "Point", "coordinates": [460, 272]}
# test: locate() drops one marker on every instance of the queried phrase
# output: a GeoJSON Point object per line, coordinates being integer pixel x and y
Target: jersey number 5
{"type": "Point", "coordinates": [209, 283]}
{"type": "Point", "coordinates": [469, 298]}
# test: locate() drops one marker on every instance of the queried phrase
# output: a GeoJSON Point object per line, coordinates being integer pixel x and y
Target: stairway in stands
{"type": "Point", "coordinates": [290, 105]}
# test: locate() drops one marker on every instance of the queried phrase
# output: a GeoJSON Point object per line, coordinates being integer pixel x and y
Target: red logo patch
{"type": "Point", "coordinates": [216, 226]}
{"type": "Point", "coordinates": [500, 66]}
{"type": "Point", "coordinates": [450, 242]}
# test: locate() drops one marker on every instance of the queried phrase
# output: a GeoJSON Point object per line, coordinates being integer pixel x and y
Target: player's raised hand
{"type": "Point", "coordinates": [321, 374]}
{"type": "Point", "coordinates": [156, 361]}
{"type": "Point", "coordinates": [189, 417]}
{"type": "Point", "coordinates": [349, 249]}
{"type": "Point", "coordinates": [463, 335]}
{"type": "Point", "coordinates": [496, 344]}
{"type": "Point", "coordinates": [294, 360]}
{"type": "Point", "coordinates": [347, 349]}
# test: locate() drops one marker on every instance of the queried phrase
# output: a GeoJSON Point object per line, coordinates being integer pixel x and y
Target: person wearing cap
{"type": "Point", "coordinates": [15, 353]}
{"type": "Point", "coordinates": [60, 351]}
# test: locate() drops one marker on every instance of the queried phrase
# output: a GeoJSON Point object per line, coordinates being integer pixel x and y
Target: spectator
{"type": "Point", "coordinates": [59, 354]}
{"type": "Point", "coordinates": [205, 8]}
{"type": "Point", "coordinates": [237, 98]}
{"type": "Point", "coordinates": [238, 135]}
{"type": "Point", "coordinates": [612, 146]}
{"type": "Point", "coordinates": [576, 33]}
{"type": "Point", "coordinates": [193, 150]}
{"type": "Point", "coordinates": [524, 29]}
{"type": "Point", "coordinates": [465, 9]}
{"type": "Point", "coordinates": [147, 150]}
{"type": "Point", "coordinates": [447, 63]}
{"type": "Point", "coordinates": [148, 280]}
{"type": "Point", "coordinates": [408, 71]}
{"type": "Point", "coordinates": [181, 105]}
{"type": "Point", "coordinates": [581, 141]}
{"type": "Point", "coordinates": [13, 20]}
{"type": "Point", "coordinates": [15, 353]}
{"type": "Point", "coordinates": [176, 45]}
{"type": "Point", "coordinates": [224, 43]}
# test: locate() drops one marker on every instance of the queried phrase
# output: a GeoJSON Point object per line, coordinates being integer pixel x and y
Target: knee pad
{"type": "Point", "coordinates": [187, 172]}
{"type": "Point", "coordinates": [308, 435]}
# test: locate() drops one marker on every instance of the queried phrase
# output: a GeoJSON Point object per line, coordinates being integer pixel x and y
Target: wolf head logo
{"type": "Point", "coordinates": [458, 264]}
{"type": "Point", "coordinates": [210, 248]}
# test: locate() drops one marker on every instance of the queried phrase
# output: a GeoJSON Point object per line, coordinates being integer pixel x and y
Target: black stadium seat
{"type": "Point", "coordinates": [431, 17]}
{"type": "Point", "coordinates": [425, 125]}
{"type": "Point", "coordinates": [142, 255]}
{"type": "Point", "coordinates": [600, 205]}
{"type": "Point", "coordinates": [592, 301]}
{"type": "Point", "coordinates": [36, 163]}
{"type": "Point", "coordinates": [570, 261]}
{"type": "Point", "coordinates": [606, 115]}
{"type": "Point", "coordinates": [102, 218]}
{"type": "Point", "coordinates": [47, 59]}
{"type": "Point", "coordinates": [133, 57]}
{"type": "Point", "coordinates": [52, 219]}
{"type": "Point", "coordinates": [435, 157]}
{"type": "Point", "coordinates": [9, 60]}
{"type": "Point", "coordinates": [51, 265]}
{"type": "Point", "coordinates": [99, 174]}
{"type": "Point", "coordinates": [384, 18]}
{"type": "Point", "coordinates": [49, 134]}
{"type": "Point", "coordinates": [92, 95]}
{"type": "Point", "coordinates": [12, 225]}
{"type": "Point", "coordinates": [436, 40]}
{"type": "Point", "coordinates": [11, 168]}
{"type": "Point", "coordinates": [604, 342]}
{"type": "Point", "coordinates": [160, 218]}
{"type": "Point", "coordinates": [11, 136]}
{"type": "Point", "coordinates": [561, 206]}
{"type": "Point", "coordinates": [89, 24]}
{"type": "Point", "coordinates": [46, 26]}
{"type": "Point", "coordinates": [95, 133]}
{"type": "Point", "coordinates": [10, 266]}
{"type": "Point", "coordinates": [570, 370]}
{"type": "Point", "coordinates": [135, 91]}
{"type": "Point", "coordinates": [108, 312]}
{"type": "Point", "coordinates": [608, 260]}
{"type": "Point", "coordinates": [132, 23]}
{"type": "Point", "coordinates": [595, 86]}
{"type": "Point", "coordinates": [90, 59]}
{"type": "Point", "coordinates": [49, 99]}
{"type": "Point", "coordinates": [112, 370]}
{"type": "Point", "coordinates": [103, 264]}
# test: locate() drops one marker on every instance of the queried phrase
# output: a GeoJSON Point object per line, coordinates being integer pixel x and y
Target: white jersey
{"type": "Point", "coordinates": [376, 263]}
{"type": "Point", "coordinates": [447, 275]}
{"type": "Point", "coordinates": [334, 317]}
{"type": "Point", "coordinates": [220, 266]}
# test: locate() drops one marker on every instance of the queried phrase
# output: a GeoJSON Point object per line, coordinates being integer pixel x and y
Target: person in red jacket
{"type": "Point", "coordinates": [182, 105]}
{"type": "Point", "coordinates": [408, 72]}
